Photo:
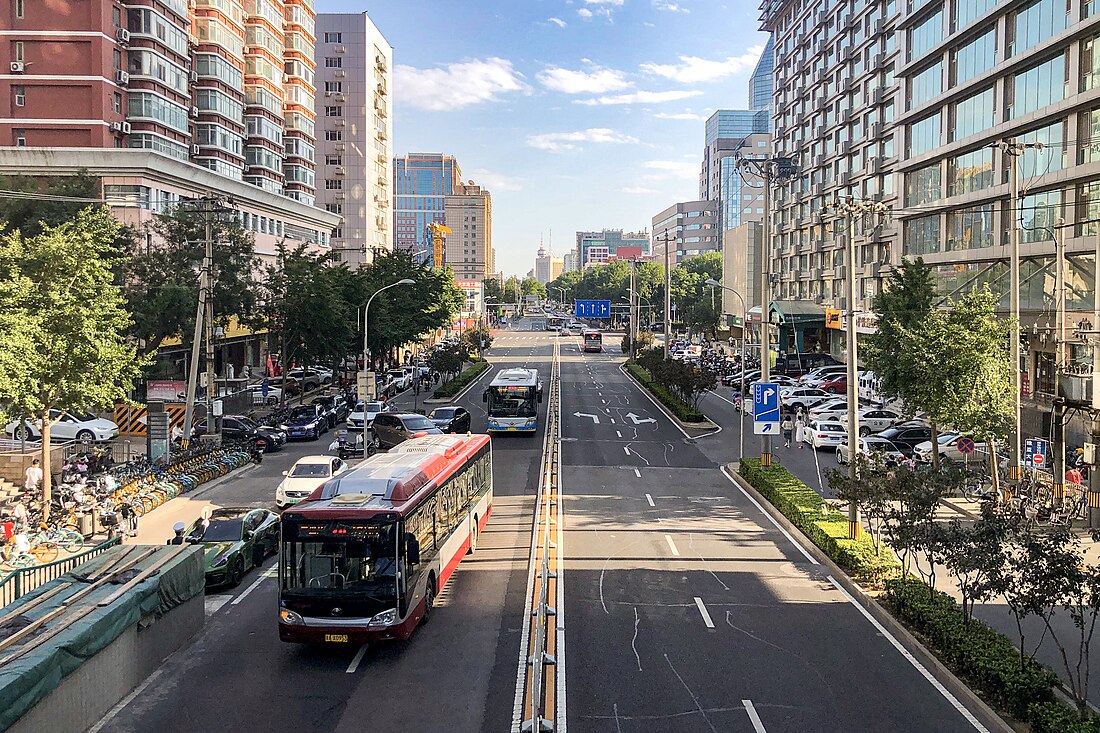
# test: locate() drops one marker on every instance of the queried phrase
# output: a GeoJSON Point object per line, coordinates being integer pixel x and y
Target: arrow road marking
{"type": "Point", "coordinates": [637, 420]}
{"type": "Point", "coordinates": [595, 418]}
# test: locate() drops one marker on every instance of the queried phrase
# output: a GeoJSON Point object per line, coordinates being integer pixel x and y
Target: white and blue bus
{"type": "Point", "coordinates": [513, 399]}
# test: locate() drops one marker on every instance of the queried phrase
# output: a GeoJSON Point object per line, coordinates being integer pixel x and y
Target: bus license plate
{"type": "Point", "coordinates": [341, 638]}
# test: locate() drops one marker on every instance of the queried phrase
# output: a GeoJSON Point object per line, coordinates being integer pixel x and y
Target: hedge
{"type": "Point", "coordinates": [456, 385]}
{"type": "Point", "coordinates": [802, 505]}
{"type": "Point", "coordinates": [678, 407]}
{"type": "Point", "coordinates": [1057, 717]}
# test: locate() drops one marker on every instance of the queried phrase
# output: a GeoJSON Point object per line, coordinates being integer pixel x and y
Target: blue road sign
{"type": "Point", "coordinates": [592, 308]}
{"type": "Point", "coordinates": [1035, 452]}
{"type": "Point", "coordinates": [765, 408]}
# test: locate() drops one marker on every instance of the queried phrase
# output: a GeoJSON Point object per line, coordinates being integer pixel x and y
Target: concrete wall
{"type": "Point", "coordinates": [100, 683]}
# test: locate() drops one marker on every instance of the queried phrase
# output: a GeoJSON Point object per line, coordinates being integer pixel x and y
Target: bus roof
{"type": "Point", "coordinates": [390, 482]}
{"type": "Point", "coordinates": [517, 377]}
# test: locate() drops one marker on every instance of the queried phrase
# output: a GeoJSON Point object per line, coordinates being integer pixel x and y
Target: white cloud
{"type": "Point", "coordinates": [558, 22]}
{"type": "Point", "coordinates": [616, 3]}
{"type": "Point", "coordinates": [639, 98]}
{"type": "Point", "coordinates": [693, 69]}
{"type": "Point", "coordinates": [585, 13]}
{"type": "Point", "coordinates": [669, 6]}
{"type": "Point", "coordinates": [459, 84]}
{"type": "Point", "coordinates": [495, 181]}
{"type": "Point", "coordinates": [558, 142]}
{"type": "Point", "coordinates": [680, 116]}
{"type": "Point", "coordinates": [670, 169]}
{"type": "Point", "coordinates": [640, 190]}
{"type": "Point", "coordinates": [597, 81]}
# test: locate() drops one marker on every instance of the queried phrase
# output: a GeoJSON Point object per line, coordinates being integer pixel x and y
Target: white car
{"type": "Point", "coordinates": [873, 420]}
{"type": "Point", "coordinates": [306, 475]}
{"type": "Point", "coordinates": [824, 433]}
{"type": "Point", "coordinates": [274, 394]}
{"type": "Point", "coordinates": [872, 446]}
{"type": "Point", "coordinates": [402, 380]}
{"type": "Point", "coordinates": [819, 375]}
{"type": "Point", "coordinates": [805, 397]}
{"type": "Point", "coordinates": [949, 449]}
{"type": "Point", "coordinates": [363, 414]}
{"type": "Point", "coordinates": [67, 425]}
{"type": "Point", "coordinates": [829, 410]}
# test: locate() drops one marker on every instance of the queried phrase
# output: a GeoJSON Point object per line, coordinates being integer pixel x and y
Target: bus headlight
{"type": "Point", "coordinates": [286, 616]}
{"type": "Point", "coordinates": [386, 618]}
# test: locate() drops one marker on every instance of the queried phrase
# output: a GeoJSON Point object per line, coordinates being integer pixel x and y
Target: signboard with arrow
{"type": "Point", "coordinates": [765, 408]}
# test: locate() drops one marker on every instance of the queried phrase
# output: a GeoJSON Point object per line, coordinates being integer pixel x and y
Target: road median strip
{"type": "Point", "coordinates": [450, 389]}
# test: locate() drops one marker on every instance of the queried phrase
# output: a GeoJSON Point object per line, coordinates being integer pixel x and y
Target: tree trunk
{"type": "Point", "coordinates": [46, 496]}
{"type": "Point", "coordinates": [994, 468]}
{"type": "Point", "coordinates": [935, 444]}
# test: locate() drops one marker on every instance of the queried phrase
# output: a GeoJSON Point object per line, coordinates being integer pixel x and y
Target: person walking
{"type": "Point", "coordinates": [799, 427]}
{"type": "Point", "coordinates": [32, 479]}
{"type": "Point", "coordinates": [787, 426]}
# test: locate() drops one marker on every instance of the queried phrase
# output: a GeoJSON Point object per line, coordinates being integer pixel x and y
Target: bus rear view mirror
{"type": "Point", "coordinates": [412, 549]}
{"type": "Point", "coordinates": [485, 396]}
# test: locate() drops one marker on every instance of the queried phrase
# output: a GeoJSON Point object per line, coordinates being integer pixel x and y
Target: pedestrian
{"type": "Point", "coordinates": [178, 539]}
{"type": "Point", "coordinates": [799, 428]}
{"type": "Point", "coordinates": [1074, 477]}
{"type": "Point", "coordinates": [787, 426]}
{"type": "Point", "coordinates": [33, 477]}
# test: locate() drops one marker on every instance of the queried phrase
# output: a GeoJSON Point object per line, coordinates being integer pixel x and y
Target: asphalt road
{"type": "Point", "coordinates": [456, 674]}
{"type": "Point", "coordinates": [686, 609]}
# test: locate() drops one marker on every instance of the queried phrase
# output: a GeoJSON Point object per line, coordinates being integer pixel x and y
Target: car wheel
{"type": "Point", "coordinates": [22, 432]}
{"type": "Point", "coordinates": [839, 457]}
{"type": "Point", "coordinates": [865, 431]}
{"type": "Point", "coordinates": [237, 572]}
{"type": "Point", "coordinates": [85, 436]}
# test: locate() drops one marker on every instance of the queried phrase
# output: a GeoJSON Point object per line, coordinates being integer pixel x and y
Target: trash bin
{"type": "Point", "coordinates": [86, 522]}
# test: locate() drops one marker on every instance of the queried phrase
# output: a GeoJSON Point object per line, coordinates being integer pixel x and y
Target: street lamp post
{"type": "Point", "coordinates": [744, 320]}
{"type": "Point", "coordinates": [368, 375]}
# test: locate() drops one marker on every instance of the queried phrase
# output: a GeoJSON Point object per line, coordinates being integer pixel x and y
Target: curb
{"type": "Point", "coordinates": [988, 717]}
{"type": "Point", "coordinates": [461, 394]}
{"type": "Point", "coordinates": [707, 424]}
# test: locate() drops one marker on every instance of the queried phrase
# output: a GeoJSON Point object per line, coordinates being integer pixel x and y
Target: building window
{"type": "Point", "coordinates": [334, 86]}
{"type": "Point", "coordinates": [1090, 63]}
{"type": "Point", "coordinates": [973, 115]}
{"type": "Point", "coordinates": [1036, 22]}
{"type": "Point", "coordinates": [334, 160]}
{"type": "Point", "coordinates": [969, 172]}
{"type": "Point", "coordinates": [970, 228]}
{"type": "Point", "coordinates": [974, 58]}
{"type": "Point", "coordinates": [922, 235]}
{"type": "Point", "coordinates": [925, 36]}
{"type": "Point", "coordinates": [333, 37]}
{"type": "Point", "coordinates": [966, 11]}
{"type": "Point", "coordinates": [20, 93]}
{"type": "Point", "coordinates": [17, 51]}
{"type": "Point", "coordinates": [20, 138]}
{"type": "Point", "coordinates": [922, 185]}
{"type": "Point", "coordinates": [926, 85]}
{"type": "Point", "coordinates": [1038, 87]}
{"type": "Point", "coordinates": [116, 16]}
{"type": "Point", "coordinates": [117, 57]}
{"type": "Point", "coordinates": [334, 134]}
{"type": "Point", "coordinates": [1038, 212]}
{"type": "Point", "coordinates": [20, 8]}
{"type": "Point", "coordinates": [333, 62]}
{"type": "Point", "coordinates": [924, 135]}
{"type": "Point", "coordinates": [334, 208]}
{"type": "Point", "coordinates": [334, 184]}
{"type": "Point", "coordinates": [334, 111]}
{"type": "Point", "coordinates": [116, 103]}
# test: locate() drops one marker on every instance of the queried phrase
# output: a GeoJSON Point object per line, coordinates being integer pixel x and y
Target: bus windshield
{"type": "Point", "coordinates": [512, 401]}
{"type": "Point", "coordinates": [320, 560]}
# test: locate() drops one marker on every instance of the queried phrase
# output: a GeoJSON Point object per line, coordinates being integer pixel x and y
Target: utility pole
{"type": "Point", "coordinates": [1094, 337]}
{"type": "Point", "coordinates": [668, 296]}
{"type": "Point", "coordinates": [770, 170]}
{"type": "Point", "coordinates": [212, 424]}
{"type": "Point", "coordinates": [1058, 406]}
{"type": "Point", "coordinates": [633, 311]}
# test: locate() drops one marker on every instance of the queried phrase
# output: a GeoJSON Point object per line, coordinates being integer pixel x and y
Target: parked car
{"type": "Point", "coordinates": [805, 397]}
{"type": "Point", "coordinates": [234, 539]}
{"type": "Point", "coordinates": [391, 428]}
{"type": "Point", "coordinates": [302, 380]}
{"type": "Point", "coordinates": [67, 425]}
{"type": "Point", "coordinates": [734, 379]}
{"type": "Point", "coordinates": [873, 420]}
{"type": "Point", "coordinates": [363, 414]}
{"type": "Point", "coordinates": [451, 419]}
{"type": "Point", "coordinates": [304, 476]}
{"type": "Point", "coordinates": [402, 379]}
{"type": "Point", "coordinates": [239, 427]}
{"type": "Point", "coordinates": [830, 409]}
{"type": "Point", "coordinates": [824, 433]}
{"type": "Point", "coordinates": [908, 436]}
{"type": "Point", "coordinates": [834, 384]}
{"type": "Point", "coordinates": [335, 406]}
{"type": "Point", "coordinates": [873, 445]}
{"type": "Point", "coordinates": [817, 375]}
{"type": "Point", "coordinates": [306, 422]}
{"type": "Point", "coordinates": [948, 448]}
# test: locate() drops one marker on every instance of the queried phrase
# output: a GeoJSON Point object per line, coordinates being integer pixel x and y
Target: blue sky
{"type": "Point", "coordinates": [576, 114]}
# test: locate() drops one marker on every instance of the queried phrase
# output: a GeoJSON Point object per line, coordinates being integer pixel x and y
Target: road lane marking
{"type": "Point", "coordinates": [704, 612]}
{"type": "Point", "coordinates": [213, 604]}
{"type": "Point", "coordinates": [358, 658]}
{"type": "Point", "coordinates": [648, 497]}
{"type": "Point", "coordinates": [618, 433]}
{"type": "Point", "coordinates": [672, 545]}
{"type": "Point", "coordinates": [757, 725]}
{"type": "Point", "coordinates": [771, 519]}
{"type": "Point", "coordinates": [249, 589]}
{"type": "Point", "coordinates": [637, 473]}
{"type": "Point", "coordinates": [911, 659]}
{"type": "Point", "coordinates": [626, 449]}
{"type": "Point", "coordinates": [126, 701]}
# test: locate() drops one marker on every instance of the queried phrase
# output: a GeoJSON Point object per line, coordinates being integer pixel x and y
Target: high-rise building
{"type": "Point", "coordinates": [762, 81]}
{"type": "Point", "coordinates": [468, 211]}
{"type": "Point", "coordinates": [355, 142]}
{"type": "Point", "coordinates": [547, 266]}
{"type": "Point", "coordinates": [687, 229]}
{"type": "Point", "coordinates": [594, 248]}
{"type": "Point", "coordinates": [421, 184]}
{"type": "Point", "coordinates": [225, 84]}
{"type": "Point", "coordinates": [569, 261]}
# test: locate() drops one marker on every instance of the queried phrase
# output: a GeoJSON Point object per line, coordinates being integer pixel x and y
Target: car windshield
{"type": "Point", "coordinates": [219, 530]}
{"type": "Point", "coordinates": [244, 421]}
{"type": "Point", "coordinates": [947, 438]}
{"type": "Point", "coordinates": [443, 413]}
{"type": "Point", "coordinates": [82, 415]}
{"type": "Point", "coordinates": [302, 412]}
{"type": "Point", "coordinates": [418, 422]}
{"type": "Point", "coordinates": [311, 470]}
{"type": "Point", "coordinates": [396, 373]}
{"type": "Point", "coordinates": [372, 406]}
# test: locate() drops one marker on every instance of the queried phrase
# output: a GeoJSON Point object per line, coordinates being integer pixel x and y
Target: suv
{"type": "Point", "coordinates": [239, 427]}
{"type": "Point", "coordinates": [402, 379]}
{"type": "Point", "coordinates": [299, 380]}
{"type": "Point", "coordinates": [391, 428]}
{"type": "Point", "coordinates": [335, 407]}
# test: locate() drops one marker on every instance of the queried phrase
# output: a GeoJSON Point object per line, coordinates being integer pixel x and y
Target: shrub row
{"type": "Point", "coordinates": [678, 407]}
{"type": "Point", "coordinates": [1057, 717]}
{"type": "Point", "coordinates": [456, 385]}
{"type": "Point", "coordinates": [802, 505]}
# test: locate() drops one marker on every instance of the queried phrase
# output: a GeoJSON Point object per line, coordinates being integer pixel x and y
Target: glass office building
{"type": "Point", "coordinates": [421, 182]}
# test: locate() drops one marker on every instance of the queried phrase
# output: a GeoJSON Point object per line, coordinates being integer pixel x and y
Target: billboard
{"type": "Point", "coordinates": [592, 308]}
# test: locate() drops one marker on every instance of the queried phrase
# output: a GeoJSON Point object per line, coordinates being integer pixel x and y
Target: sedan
{"type": "Point", "coordinates": [239, 427]}
{"type": "Point", "coordinates": [234, 539]}
{"type": "Point", "coordinates": [805, 397]}
{"type": "Point", "coordinates": [829, 410]}
{"type": "Point", "coordinates": [824, 433]}
{"type": "Point", "coordinates": [335, 407]}
{"type": "Point", "coordinates": [907, 436]}
{"type": "Point", "coordinates": [306, 422]}
{"type": "Point", "coordinates": [873, 446]}
{"type": "Point", "coordinates": [363, 414]}
{"type": "Point", "coordinates": [949, 448]}
{"type": "Point", "coordinates": [304, 476]}
{"type": "Point", "coordinates": [66, 425]}
{"type": "Point", "coordinates": [874, 421]}
{"type": "Point", "coordinates": [837, 385]}
{"type": "Point", "coordinates": [451, 419]}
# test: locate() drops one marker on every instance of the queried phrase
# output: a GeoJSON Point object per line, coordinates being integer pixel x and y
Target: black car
{"type": "Point", "coordinates": [239, 427]}
{"type": "Point", "coordinates": [307, 422]}
{"type": "Point", "coordinates": [907, 436]}
{"type": "Point", "coordinates": [451, 419]}
{"type": "Point", "coordinates": [391, 428]}
{"type": "Point", "coordinates": [335, 407]}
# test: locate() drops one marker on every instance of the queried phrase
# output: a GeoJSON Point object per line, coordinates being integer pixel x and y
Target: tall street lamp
{"type": "Point", "coordinates": [367, 378]}
{"type": "Point", "coordinates": [744, 320]}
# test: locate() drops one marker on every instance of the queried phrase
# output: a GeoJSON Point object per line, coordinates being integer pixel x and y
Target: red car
{"type": "Point", "coordinates": [838, 385]}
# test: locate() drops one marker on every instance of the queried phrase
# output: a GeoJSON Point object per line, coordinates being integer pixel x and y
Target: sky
{"type": "Point", "coordinates": [575, 114]}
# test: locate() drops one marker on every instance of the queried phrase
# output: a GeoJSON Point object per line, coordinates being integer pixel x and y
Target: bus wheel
{"type": "Point", "coordinates": [473, 537]}
{"type": "Point", "coordinates": [429, 599]}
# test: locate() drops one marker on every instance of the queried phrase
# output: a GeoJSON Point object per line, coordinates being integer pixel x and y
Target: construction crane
{"type": "Point", "coordinates": [438, 233]}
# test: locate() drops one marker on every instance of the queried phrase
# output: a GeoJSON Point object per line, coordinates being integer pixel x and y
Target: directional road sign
{"type": "Point", "coordinates": [965, 446]}
{"type": "Point", "coordinates": [765, 408]}
{"type": "Point", "coordinates": [592, 308]}
{"type": "Point", "coordinates": [1035, 452]}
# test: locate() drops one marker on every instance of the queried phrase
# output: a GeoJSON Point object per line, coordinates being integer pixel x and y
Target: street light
{"type": "Point", "coordinates": [744, 320]}
{"type": "Point", "coordinates": [368, 375]}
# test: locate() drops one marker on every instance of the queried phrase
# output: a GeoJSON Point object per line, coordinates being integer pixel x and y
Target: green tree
{"type": "Point", "coordinates": [448, 361]}
{"type": "Point", "coordinates": [476, 340]}
{"type": "Point", "coordinates": [531, 286]}
{"type": "Point", "coordinates": [697, 306]}
{"type": "Point", "coordinates": [160, 275]}
{"type": "Point", "coordinates": [493, 291]}
{"type": "Point", "coordinates": [29, 213]}
{"type": "Point", "coordinates": [905, 303]}
{"type": "Point", "coordinates": [64, 323]}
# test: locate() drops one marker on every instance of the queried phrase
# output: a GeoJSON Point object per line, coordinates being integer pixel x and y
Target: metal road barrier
{"type": "Point", "coordinates": [23, 580]}
{"type": "Point", "coordinates": [540, 683]}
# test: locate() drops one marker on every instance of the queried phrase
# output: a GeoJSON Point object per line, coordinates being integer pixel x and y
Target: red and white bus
{"type": "Point", "coordinates": [363, 558]}
{"type": "Point", "coordinates": [593, 341]}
